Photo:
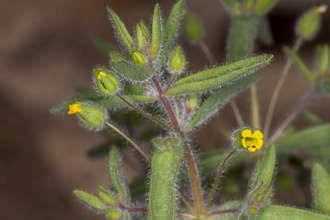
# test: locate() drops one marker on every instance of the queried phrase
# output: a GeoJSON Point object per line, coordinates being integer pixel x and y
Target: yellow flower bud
{"type": "Point", "coordinates": [176, 60]}
{"type": "Point", "coordinates": [91, 115]}
{"type": "Point", "coordinates": [106, 83]}
{"type": "Point", "coordinates": [113, 214]}
{"type": "Point", "coordinates": [138, 57]}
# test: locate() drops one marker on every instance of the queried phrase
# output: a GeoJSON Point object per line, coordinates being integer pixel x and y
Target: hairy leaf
{"type": "Point", "coordinates": [275, 212]}
{"type": "Point", "coordinates": [216, 77]}
{"type": "Point", "coordinates": [90, 199]}
{"type": "Point", "coordinates": [116, 175]}
{"type": "Point", "coordinates": [156, 38]}
{"type": "Point", "coordinates": [321, 188]}
{"type": "Point", "coordinates": [299, 64]}
{"type": "Point", "coordinates": [129, 69]}
{"type": "Point", "coordinates": [164, 167]}
{"type": "Point", "coordinates": [218, 99]}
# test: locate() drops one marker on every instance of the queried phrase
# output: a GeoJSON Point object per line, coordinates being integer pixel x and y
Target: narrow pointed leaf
{"type": "Point", "coordinates": [172, 23]}
{"type": "Point", "coordinates": [89, 199]}
{"type": "Point", "coordinates": [313, 118]}
{"type": "Point", "coordinates": [156, 37]}
{"type": "Point", "coordinates": [117, 177]}
{"type": "Point", "coordinates": [232, 6]}
{"type": "Point", "coordinates": [275, 212]}
{"type": "Point", "coordinates": [164, 168]}
{"type": "Point", "coordinates": [265, 34]}
{"type": "Point", "coordinates": [265, 171]}
{"type": "Point", "coordinates": [322, 58]}
{"type": "Point", "coordinates": [216, 77]}
{"type": "Point", "coordinates": [104, 46]}
{"type": "Point", "coordinates": [299, 64]}
{"type": "Point", "coordinates": [263, 6]}
{"type": "Point", "coordinates": [321, 189]}
{"type": "Point", "coordinates": [129, 69]}
{"type": "Point", "coordinates": [218, 99]}
{"type": "Point", "coordinates": [314, 137]}
{"type": "Point", "coordinates": [121, 30]}
{"type": "Point", "coordinates": [242, 36]}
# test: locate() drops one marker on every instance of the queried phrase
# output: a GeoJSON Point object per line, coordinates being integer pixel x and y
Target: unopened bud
{"type": "Point", "coordinates": [106, 82]}
{"type": "Point", "coordinates": [192, 103]}
{"type": "Point", "coordinates": [106, 196]}
{"type": "Point", "coordinates": [309, 23]}
{"type": "Point", "coordinates": [113, 214]}
{"type": "Point", "coordinates": [322, 58]}
{"type": "Point", "coordinates": [90, 114]}
{"type": "Point", "coordinates": [138, 57]}
{"type": "Point", "coordinates": [176, 60]}
{"type": "Point", "coordinates": [142, 36]}
{"type": "Point", "coordinates": [193, 27]}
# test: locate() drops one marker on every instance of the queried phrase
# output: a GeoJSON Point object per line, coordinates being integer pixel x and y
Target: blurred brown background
{"type": "Point", "coordinates": [46, 52]}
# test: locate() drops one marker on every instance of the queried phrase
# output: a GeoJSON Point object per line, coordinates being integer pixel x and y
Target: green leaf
{"type": "Point", "coordinates": [232, 6]}
{"type": "Point", "coordinates": [321, 189]}
{"type": "Point", "coordinates": [172, 23]}
{"type": "Point", "coordinates": [265, 171]}
{"type": "Point", "coordinates": [242, 36]}
{"type": "Point", "coordinates": [193, 27]}
{"type": "Point", "coordinates": [263, 6]}
{"type": "Point", "coordinates": [299, 64]}
{"type": "Point", "coordinates": [120, 29]}
{"type": "Point", "coordinates": [322, 56]}
{"type": "Point", "coordinates": [309, 24]}
{"type": "Point", "coordinates": [156, 38]}
{"type": "Point", "coordinates": [142, 36]}
{"type": "Point", "coordinates": [265, 34]}
{"type": "Point", "coordinates": [171, 28]}
{"type": "Point", "coordinates": [103, 45]}
{"type": "Point", "coordinates": [106, 196]}
{"type": "Point", "coordinates": [314, 137]}
{"type": "Point", "coordinates": [117, 177]}
{"type": "Point", "coordinates": [90, 199]}
{"type": "Point", "coordinates": [218, 99]}
{"type": "Point", "coordinates": [129, 69]}
{"type": "Point", "coordinates": [164, 167]}
{"type": "Point", "coordinates": [275, 212]}
{"type": "Point", "coordinates": [314, 119]}
{"type": "Point", "coordinates": [115, 102]}
{"type": "Point", "coordinates": [234, 204]}
{"type": "Point", "coordinates": [64, 106]}
{"type": "Point", "coordinates": [216, 77]}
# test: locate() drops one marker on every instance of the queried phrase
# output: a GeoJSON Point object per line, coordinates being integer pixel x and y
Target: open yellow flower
{"type": "Point", "coordinates": [252, 140]}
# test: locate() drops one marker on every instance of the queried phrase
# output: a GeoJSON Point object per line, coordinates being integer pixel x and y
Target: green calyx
{"type": "Point", "coordinates": [106, 82]}
{"type": "Point", "coordinates": [176, 60]}
{"type": "Point", "coordinates": [90, 114]}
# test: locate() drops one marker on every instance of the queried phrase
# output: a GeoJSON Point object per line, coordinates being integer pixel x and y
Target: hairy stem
{"type": "Point", "coordinates": [211, 59]}
{"type": "Point", "coordinates": [157, 121]}
{"type": "Point", "coordinates": [129, 140]}
{"type": "Point", "coordinates": [221, 212]}
{"type": "Point", "coordinates": [191, 164]}
{"type": "Point", "coordinates": [278, 88]}
{"type": "Point", "coordinates": [310, 97]}
{"type": "Point", "coordinates": [217, 179]}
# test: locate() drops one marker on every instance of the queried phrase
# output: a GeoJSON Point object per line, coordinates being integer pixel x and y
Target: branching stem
{"type": "Point", "coordinates": [278, 88]}
{"type": "Point", "coordinates": [191, 164]}
{"type": "Point", "coordinates": [129, 140]}
{"type": "Point", "coordinates": [310, 97]}
{"type": "Point", "coordinates": [157, 121]}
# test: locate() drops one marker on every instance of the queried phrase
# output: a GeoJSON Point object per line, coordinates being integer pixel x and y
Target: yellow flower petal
{"type": "Point", "coordinates": [74, 108]}
{"type": "Point", "coordinates": [258, 134]}
{"type": "Point", "coordinates": [259, 144]}
{"type": "Point", "coordinates": [243, 143]}
{"type": "Point", "coordinates": [246, 133]}
{"type": "Point", "coordinates": [252, 149]}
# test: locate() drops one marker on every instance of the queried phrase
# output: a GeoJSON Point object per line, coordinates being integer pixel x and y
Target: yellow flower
{"type": "Point", "coordinates": [252, 141]}
{"type": "Point", "coordinates": [74, 108]}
